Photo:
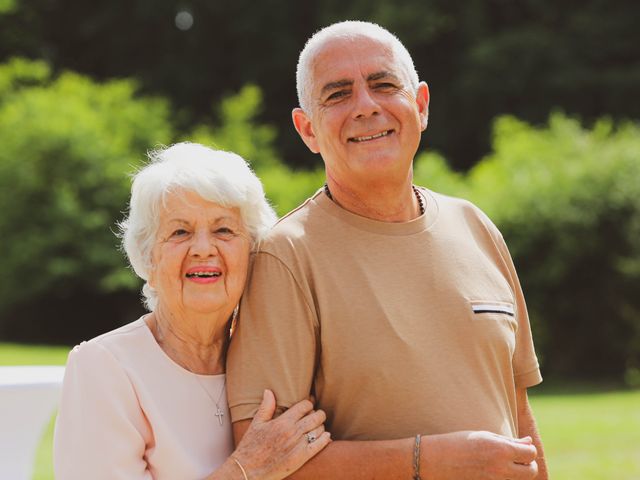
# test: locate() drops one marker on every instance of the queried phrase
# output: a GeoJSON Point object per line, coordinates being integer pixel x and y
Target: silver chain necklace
{"type": "Point", "coordinates": [219, 413]}
{"type": "Point", "coordinates": [162, 343]}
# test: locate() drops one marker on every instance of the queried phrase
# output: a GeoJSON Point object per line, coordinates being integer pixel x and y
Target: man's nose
{"type": "Point", "coordinates": [365, 103]}
{"type": "Point", "coordinates": [203, 244]}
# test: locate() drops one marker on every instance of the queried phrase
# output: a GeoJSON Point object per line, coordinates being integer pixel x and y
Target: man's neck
{"type": "Point", "coordinates": [384, 202]}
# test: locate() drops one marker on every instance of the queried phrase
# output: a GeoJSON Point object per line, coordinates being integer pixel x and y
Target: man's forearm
{"type": "Point", "coordinates": [379, 459]}
{"type": "Point", "coordinates": [527, 427]}
{"type": "Point", "coordinates": [449, 456]}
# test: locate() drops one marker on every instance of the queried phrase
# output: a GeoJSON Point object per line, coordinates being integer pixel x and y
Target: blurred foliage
{"type": "Point", "coordinates": [240, 132]}
{"type": "Point", "coordinates": [567, 200]}
{"type": "Point", "coordinates": [566, 197]}
{"type": "Point", "coordinates": [8, 6]}
{"type": "Point", "coordinates": [69, 144]}
{"type": "Point", "coordinates": [481, 58]}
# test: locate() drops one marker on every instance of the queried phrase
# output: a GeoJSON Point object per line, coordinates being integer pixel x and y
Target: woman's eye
{"type": "Point", "coordinates": [224, 232]}
{"type": "Point", "coordinates": [179, 232]}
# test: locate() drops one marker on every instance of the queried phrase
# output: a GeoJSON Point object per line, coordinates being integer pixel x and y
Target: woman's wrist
{"type": "Point", "coordinates": [240, 467]}
{"type": "Point", "coordinates": [228, 471]}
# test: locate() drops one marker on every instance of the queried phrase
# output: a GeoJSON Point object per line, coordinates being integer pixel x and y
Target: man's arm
{"type": "Point", "coordinates": [469, 455]}
{"type": "Point", "coordinates": [527, 427]}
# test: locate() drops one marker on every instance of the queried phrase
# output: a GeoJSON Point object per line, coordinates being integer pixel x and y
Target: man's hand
{"type": "Point", "coordinates": [478, 456]}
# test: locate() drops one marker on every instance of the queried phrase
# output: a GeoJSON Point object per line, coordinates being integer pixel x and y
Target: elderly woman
{"type": "Point", "coordinates": [147, 401]}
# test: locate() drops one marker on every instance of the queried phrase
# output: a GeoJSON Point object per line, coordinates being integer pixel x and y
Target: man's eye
{"type": "Point", "coordinates": [337, 95]}
{"type": "Point", "coordinates": [385, 86]}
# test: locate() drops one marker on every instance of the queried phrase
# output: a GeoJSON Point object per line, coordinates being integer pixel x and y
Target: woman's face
{"type": "Point", "coordinates": [200, 257]}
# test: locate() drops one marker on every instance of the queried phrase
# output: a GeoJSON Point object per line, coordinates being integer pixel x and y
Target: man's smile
{"type": "Point", "coordinates": [366, 138]}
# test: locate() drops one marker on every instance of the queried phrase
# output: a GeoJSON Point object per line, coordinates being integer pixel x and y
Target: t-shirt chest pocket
{"type": "Point", "coordinates": [494, 322]}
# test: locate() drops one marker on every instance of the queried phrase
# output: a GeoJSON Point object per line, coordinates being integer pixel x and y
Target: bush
{"type": "Point", "coordinates": [67, 146]}
{"type": "Point", "coordinates": [240, 132]}
{"type": "Point", "coordinates": [567, 201]}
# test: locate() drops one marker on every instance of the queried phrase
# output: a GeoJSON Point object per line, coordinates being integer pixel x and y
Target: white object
{"type": "Point", "coordinates": [28, 398]}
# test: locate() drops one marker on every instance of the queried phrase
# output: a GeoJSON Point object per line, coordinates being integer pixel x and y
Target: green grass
{"type": "Point", "coordinates": [590, 435]}
{"type": "Point", "coordinates": [590, 432]}
{"type": "Point", "coordinates": [12, 354]}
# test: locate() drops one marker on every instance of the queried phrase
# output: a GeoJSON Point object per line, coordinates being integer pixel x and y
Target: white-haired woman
{"type": "Point", "coordinates": [147, 401]}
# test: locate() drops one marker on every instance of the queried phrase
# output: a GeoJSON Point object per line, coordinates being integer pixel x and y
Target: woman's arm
{"type": "Point", "coordinates": [100, 431]}
{"type": "Point", "coordinates": [273, 449]}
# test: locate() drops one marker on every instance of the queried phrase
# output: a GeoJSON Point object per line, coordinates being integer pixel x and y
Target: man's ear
{"type": "Point", "coordinates": [422, 99]}
{"type": "Point", "coordinates": [304, 128]}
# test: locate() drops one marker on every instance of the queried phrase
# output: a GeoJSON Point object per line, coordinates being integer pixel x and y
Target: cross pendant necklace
{"type": "Point", "coordinates": [219, 413]}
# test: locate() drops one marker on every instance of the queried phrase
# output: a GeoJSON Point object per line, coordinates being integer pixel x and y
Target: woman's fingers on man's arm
{"type": "Point", "coordinates": [298, 410]}
{"type": "Point", "coordinates": [311, 421]}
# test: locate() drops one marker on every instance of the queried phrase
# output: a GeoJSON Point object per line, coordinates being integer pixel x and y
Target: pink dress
{"type": "Point", "coordinates": [129, 412]}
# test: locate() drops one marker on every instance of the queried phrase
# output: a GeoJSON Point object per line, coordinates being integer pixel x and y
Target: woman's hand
{"type": "Point", "coordinates": [273, 449]}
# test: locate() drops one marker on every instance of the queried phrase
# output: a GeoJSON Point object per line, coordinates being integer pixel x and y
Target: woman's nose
{"type": "Point", "coordinates": [204, 244]}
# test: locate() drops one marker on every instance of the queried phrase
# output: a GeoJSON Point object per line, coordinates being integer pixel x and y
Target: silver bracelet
{"type": "Point", "coordinates": [416, 459]}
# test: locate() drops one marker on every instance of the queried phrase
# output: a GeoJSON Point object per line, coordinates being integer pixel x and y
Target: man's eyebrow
{"type": "Point", "coordinates": [347, 83]}
{"type": "Point", "coordinates": [380, 75]}
{"type": "Point", "coordinates": [335, 85]}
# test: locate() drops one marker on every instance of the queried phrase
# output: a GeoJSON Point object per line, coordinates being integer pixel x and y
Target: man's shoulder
{"type": "Point", "coordinates": [293, 227]}
{"type": "Point", "coordinates": [459, 209]}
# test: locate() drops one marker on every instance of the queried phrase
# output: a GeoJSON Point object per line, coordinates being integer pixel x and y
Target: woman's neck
{"type": "Point", "coordinates": [196, 344]}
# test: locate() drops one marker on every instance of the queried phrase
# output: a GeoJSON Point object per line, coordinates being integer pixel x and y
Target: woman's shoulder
{"type": "Point", "coordinates": [118, 344]}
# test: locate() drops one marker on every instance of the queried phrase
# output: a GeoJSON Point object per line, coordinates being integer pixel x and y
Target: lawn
{"type": "Point", "coordinates": [590, 435]}
{"type": "Point", "coordinates": [590, 432]}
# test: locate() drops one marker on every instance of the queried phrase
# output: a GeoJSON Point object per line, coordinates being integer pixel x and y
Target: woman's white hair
{"type": "Point", "coordinates": [350, 29]}
{"type": "Point", "coordinates": [217, 176]}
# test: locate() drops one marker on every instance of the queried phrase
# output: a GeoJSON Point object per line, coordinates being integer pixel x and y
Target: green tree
{"type": "Point", "coordinates": [68, 144]}
{"type": "Point", "coordinates": [239, 131]}
{"type": "Point", "coordinates": [481, 58]}
{"type": "Point", "coordinates": [567, 200]}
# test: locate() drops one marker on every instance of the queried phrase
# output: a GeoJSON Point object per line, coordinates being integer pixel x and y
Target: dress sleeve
{"type": "Point", "coordinates": [101, 431]}
{"type": "Point", "coordinates": [276, 343]}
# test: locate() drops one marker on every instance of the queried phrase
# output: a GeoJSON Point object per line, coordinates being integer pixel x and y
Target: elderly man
{"type": "Point", "coordinates": [397, 308]}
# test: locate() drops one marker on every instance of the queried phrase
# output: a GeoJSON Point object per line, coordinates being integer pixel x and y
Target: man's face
{"type": "Point", "coordinates": [365, 120]}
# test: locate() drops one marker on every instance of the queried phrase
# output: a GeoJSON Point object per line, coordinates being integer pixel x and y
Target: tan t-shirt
{"type": "Point", "coordinates": [395, 328]}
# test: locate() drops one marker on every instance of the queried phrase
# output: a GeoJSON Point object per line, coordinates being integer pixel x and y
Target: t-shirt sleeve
{"type": "Point", "coordinates": [525, 362]}
{"type": "Point", "coordinates": [100, 432]}
{"type": "Point", "coordinates": [275, 344]}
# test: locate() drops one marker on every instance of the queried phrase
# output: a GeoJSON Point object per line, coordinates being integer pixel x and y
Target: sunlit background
{"type": "Point", "coordinates": [535, 109]}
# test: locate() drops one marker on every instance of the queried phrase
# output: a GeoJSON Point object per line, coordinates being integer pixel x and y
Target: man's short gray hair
{"type": "Point", "coordinates": [348, 29]}
{"type": "Point", "coordinates": [217, 176]}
